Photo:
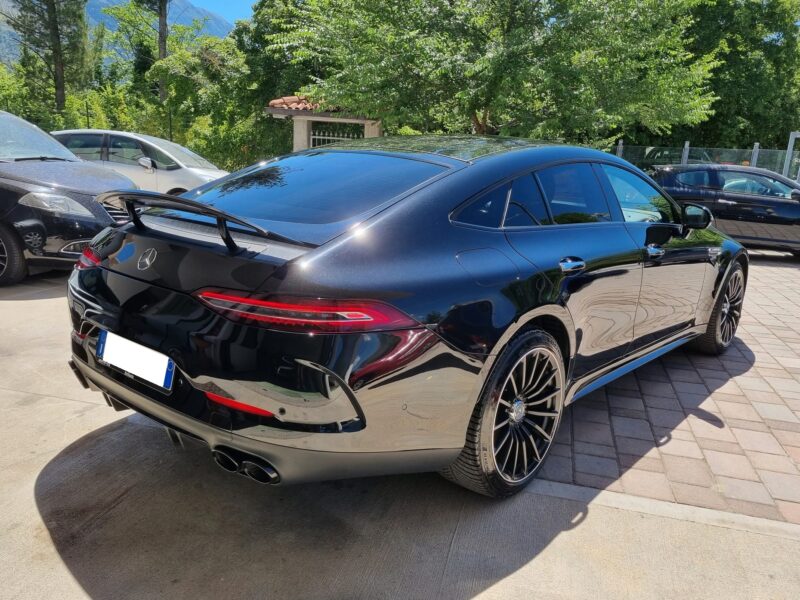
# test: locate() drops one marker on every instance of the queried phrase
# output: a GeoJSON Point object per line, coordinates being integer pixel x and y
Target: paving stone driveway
{"type": "Point", "coordinates": [717, 432]}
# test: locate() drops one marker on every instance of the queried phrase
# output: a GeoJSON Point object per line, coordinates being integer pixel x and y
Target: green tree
{"type": "Point", "coordinates": [55, 33]}
{"type": "Point", "coordinates": [161, 9]}
{"type": "Point", "coordinates": [757, 81]}
{"type": "Point", "coordinates": [583, 70]}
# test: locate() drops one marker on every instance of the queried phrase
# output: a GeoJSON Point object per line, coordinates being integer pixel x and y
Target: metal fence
{"type": "Point", "coordinates": [646, 157]}
{"type": "Point", "coordinates": [328, 133]}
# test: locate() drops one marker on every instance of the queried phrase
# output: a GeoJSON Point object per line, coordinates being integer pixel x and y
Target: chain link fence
{"type": "Point", "coordinates": [646, 157]}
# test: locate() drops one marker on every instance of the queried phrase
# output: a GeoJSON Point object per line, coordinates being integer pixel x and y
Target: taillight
{"type": "Point", "coordinates": [236, 405]}
{"type": "Point", "coordinates": [89, 259]}
{"type": "Point", "coordinates": [308, 314]}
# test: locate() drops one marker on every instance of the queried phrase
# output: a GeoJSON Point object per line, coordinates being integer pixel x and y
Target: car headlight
{"type": "Point", "coordinates": [54, 203]}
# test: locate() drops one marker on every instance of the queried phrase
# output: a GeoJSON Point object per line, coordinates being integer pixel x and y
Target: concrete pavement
{"type": "Point", "coordinates": [98, 504]}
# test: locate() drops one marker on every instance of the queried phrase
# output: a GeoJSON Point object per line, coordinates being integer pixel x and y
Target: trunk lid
{"type": "Point", "coordinates": [187, 256]}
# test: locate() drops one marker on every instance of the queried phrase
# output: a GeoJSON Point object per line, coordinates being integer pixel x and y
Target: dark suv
{"type": "Point", "coordinates": [48, 211]}
{"type": "Point", "coordinates": [758, 207]}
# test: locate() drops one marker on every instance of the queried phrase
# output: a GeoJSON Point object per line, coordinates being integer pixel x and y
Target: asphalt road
{"type": "Point", "coordinates": [95, 503]}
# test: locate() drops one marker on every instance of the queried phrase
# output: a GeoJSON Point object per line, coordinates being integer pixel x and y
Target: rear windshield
{"type": "Point", "coordinates": [317, 187]}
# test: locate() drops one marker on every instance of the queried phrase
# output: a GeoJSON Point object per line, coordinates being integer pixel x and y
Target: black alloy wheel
{"type": "Point", "coordinates": [731, 308]}
{"type": "Point", "coordinates": [727, 314]}
{"type": "Point", "coordinates": [516, 420]}
{"type": "Point", "coordinates": [526, 415]}
{"type": "Point", "coordinates": [12, 257]}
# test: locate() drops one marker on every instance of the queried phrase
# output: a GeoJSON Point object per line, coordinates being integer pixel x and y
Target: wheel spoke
{"type": "Point", "coordinates": [541, 413]}
{"type": "Point", "coordinates": [541, 431]}
{"type": "Point", "coordinates": [535, 447]}
{"type": "Point", "coordinates": [501, 444]}
{"type": "Point", "coordinates": [499, 425]}
{"type": "Point", "coordinates": [516, 455]}
{"type": "Point", "coordinates": [524, 457]}
{"type": "Point", "coordinates": [537, 382]}
{"type": "Point", "coordinates": [540, 399]}
{"type": "Point", "coordinates": [513, 383]}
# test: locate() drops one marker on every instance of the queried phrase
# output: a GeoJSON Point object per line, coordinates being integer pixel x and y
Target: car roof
{"type": "Point", "coordinates": [470, 149]}
{"type": "Point", "coordinates": [465, 148]}
{"type": "Point", "coordinates": [717, 167]}
{"type": "Point", "coordinates": [115, 132]}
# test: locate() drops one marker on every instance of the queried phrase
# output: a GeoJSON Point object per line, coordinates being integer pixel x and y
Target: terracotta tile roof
{"type": "Point", "coordinates": [293, 103]}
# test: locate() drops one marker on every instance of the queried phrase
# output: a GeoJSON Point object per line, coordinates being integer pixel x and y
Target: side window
{"type": "Point", "coordinates": [486, 210]}
{"type": "Point", "coordinates": [525, 204]}
{"type": "Point", "coordinates": [640, 201]}
{"type": "Point", "coordinates": [157, 156]}
{"type": "Point", "coordinates": [86, 146]}
{"type": "Point", "coordinates": [574, 194]}
{"type": "Point", "coordinates": [126, 151]}
{"type": "Point", "coordinates": [752, 183]}
{"type": "Point", "coordinates": [694, 178]}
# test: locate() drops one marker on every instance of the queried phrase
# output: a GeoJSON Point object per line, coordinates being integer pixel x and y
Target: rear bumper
{"type": "Point", "coordinates": [294, 465]}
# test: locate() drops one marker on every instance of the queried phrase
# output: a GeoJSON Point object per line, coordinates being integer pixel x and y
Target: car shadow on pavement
{"type": "Point", "coordinates": [126, 510]}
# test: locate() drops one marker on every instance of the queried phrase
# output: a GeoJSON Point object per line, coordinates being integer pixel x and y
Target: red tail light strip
{"type": "Point", "coordinates": [89, 259]}
{"type": "Point", "coordinates": [309, 314]}
{"type": "Point", "coordinates": [231, 403]}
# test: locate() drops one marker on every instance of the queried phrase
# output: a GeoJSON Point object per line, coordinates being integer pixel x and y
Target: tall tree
{"type": "Point", "coordinates": [556, 68]}
{"type": "Point", "coordinates": [161, 8]}
{"type": "Point", "coordinates": [757, 81]}
{"type": "Point", "coordinates": [55, 32]}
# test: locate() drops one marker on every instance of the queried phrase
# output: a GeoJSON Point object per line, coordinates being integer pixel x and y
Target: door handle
{"type": "Point", "coordinates": [654, 251]}
{"type": "Point", "coordinates": [571, 264]}
{"type": "Point", "coordinates": [722, 201]}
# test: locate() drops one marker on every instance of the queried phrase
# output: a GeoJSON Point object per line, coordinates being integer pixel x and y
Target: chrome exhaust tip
{"type": "Point", "coordinates": [225, 461]}
{"type": "Point", "coordinates": [259, 472]}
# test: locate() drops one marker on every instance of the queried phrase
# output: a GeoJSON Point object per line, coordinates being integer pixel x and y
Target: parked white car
{"type": "Point", "coordinates": [152, 163]}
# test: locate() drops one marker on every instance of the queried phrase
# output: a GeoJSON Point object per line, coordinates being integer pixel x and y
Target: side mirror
{"type": "Point", "coordinates": [696, 216]}
{"type": "Point", "coordinates": [796, 195]}
{"type": "Point", "coordinates": [147, 163]}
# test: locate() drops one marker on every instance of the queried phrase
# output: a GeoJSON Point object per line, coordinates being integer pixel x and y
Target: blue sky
{"type": "Point", "coordinates": [230, 9]}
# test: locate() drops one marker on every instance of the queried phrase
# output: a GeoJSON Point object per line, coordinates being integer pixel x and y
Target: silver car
{"type": "Point", "coordinates": [152, 163]}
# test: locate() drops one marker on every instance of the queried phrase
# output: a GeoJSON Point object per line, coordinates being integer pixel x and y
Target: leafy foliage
{"type": "Point", "coordinates": [718, 72]}
{"type": "Point", "coordinates": [579, 70]}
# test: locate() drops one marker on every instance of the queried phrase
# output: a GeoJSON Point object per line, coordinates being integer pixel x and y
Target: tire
{"type": "Point", "coordinates": [722, 326]}
{"type": "Point", "coordinates": [531, 368]}
{"type": "Point", "coordinates": [12, 258]}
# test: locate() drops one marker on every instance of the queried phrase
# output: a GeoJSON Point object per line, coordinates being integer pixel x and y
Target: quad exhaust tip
{"type": "Point", "coordinates": [249, 465]}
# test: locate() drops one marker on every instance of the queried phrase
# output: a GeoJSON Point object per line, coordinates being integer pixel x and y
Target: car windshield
{"type": "Point", "coordinates": [20, 140]}
{"type": "Point", "coordinates": [183, 155]}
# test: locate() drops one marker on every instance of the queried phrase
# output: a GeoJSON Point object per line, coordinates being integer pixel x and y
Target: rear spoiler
{"type": "Point", "coordinates": [133, 198]}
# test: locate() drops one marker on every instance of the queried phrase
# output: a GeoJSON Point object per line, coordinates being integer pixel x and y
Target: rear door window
{"type": "Point", "coordinates": [573, 194]}
{"type": "Point", "coordinates": [318, 187]}
{"type": "Point", "coordinates": [87, 146]}
{"type": "Point", "coordinates": [487, 210]}
{"type": "Point", "coordinates": [694, 178]}
{"type": "Point", "coordinates": [525, 204]}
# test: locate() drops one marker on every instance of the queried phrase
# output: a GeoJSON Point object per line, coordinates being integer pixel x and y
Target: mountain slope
{"type": "Point", "coordinates": [182, 12]}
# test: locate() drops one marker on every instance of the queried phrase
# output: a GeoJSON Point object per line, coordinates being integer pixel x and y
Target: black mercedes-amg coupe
{"type": "Point", "coordinates": [396, 305]}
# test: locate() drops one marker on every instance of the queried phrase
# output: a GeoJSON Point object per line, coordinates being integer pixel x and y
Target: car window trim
{"type": "Point", "coordinates": [592, 162]}
{"type": "Point", "coordinates": [528, 173]}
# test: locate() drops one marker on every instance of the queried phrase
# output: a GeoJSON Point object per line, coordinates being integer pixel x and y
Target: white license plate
{"type": "Point", "coordinates": [135, 359]}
